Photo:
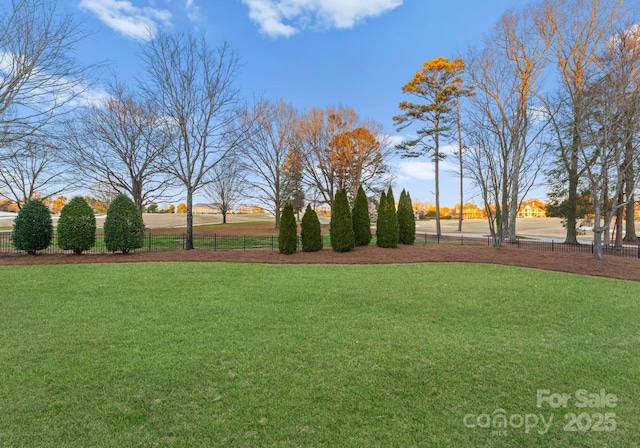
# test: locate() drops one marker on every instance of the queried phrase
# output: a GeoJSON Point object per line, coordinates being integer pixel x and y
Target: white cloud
{"type": "Point", "coordinates": [393, 140]}
{"type": "Point", "coordinates": [271, 15]}
{"type": "Point", "coordinates": [414, 169]}
{"type": "Point", "coordinates": [140, 23]}
{"type": "Point", "coordinates": [193, 12]}
{"type": "Point", "coordinates": [421, 170]}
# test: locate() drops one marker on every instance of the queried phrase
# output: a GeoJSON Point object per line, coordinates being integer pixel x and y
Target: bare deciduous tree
{"type": "Point", "coordinates": [40, 81]}
{"type": "Point", "coordinates": [32, 168]}
{"type": "Point", "coordinates": [578, 29]}
{"type": "Point", "coordinates": [122, 142]}
{"type": "Point", "coordinates": [505, 119]}
{"type": "Point", "coordinates": [226, 185]}
{"type": "Point", "coordinates": [272, 128]}
{"type": "Point", "coordinates": [192, 86]}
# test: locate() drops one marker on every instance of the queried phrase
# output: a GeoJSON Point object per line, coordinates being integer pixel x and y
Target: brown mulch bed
{"type": "Point", "coordinates": [578, 263]}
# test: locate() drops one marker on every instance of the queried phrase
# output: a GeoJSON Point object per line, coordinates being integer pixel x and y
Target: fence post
{"type": "Point", "coordinates": [518, 242]}
{"type": "Point", "coordinates": [638, 251]}
{"type": "Point", "coordinates": [184, 240]}
{"type": "Point", "coordinates": [215, 242]}
{"type": "Point", "coordinates": [244, 242]}
{"type": "Point", "coordinates": [438, 235]}
{"type": "Point", "coordinates": [149, 241]}
{"type": "Point", "coordinates": [462, 240]}
{"type": "Point", "coordinates": [551, 245]}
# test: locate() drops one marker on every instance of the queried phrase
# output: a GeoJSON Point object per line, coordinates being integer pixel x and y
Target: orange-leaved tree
{"type": "Point", "coordinates": [439, 84]}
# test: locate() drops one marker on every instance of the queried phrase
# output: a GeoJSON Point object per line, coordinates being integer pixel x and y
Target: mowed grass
{"type": "Point", "coordinates": [215, 354]}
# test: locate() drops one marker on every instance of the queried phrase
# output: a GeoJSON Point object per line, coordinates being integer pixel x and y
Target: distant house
{"type": "Point", "coordinates": [469, 211]}
{"type": "Point", "coordinates": [532, 208]}
{"type": "Point", "coordinates": [250, 210]}
{"type": "Point", "coordinates": [202, 209]}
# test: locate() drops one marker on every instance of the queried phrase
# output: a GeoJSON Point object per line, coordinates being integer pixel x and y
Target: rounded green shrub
{"type": "Point", "coordinates": [76, 226]}
{"type": "Point", "coordinates": [288, 235]}
{"type": "Point", "coordinates": [33, 228]}
{"type": "Point", "coordinates": [361, 219]}
{"type": "Point", "coordinates": [311, 233]}
{"type": "Point", "coordinates": [123, 227]}
{"type": "Point", "coordinates": [341, 226]}
{"type": "Point", "coordinates": [406, 219]}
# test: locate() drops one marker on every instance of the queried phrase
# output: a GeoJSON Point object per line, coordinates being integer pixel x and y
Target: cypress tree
{"type": "Point", "coordinates": [382, 222]}
{"type": "Point", "coordinates": [406, 220]}
{"type": "Point", "coordinates": [288, 234]}
{"type": "Point", "coordinates": [76, 226]}
{"type": "Point", "coordinates": [123, 227]}
{"type": "Point", "coordinates": [33, 228]}
{"type": "Point", "coordinates": [311, 233]}
{"type": "Point", "coordinates": [393, 219]}
{"type": "Point", "coordinates": [361, 220]}
{"type": "Point", "coordinates": [341, 226]}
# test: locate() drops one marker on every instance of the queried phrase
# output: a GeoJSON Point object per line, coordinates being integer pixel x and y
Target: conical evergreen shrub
{"type": "Point", "coordinates": [382, 222]}
{"type": "Point", "coordinates": [341, 227]}
{"type": "Point", "coordinates": [33, 228]}
{"type": "Point", "coordinates": [123, 227]}
{"type": "Point", "coordinates": [361, 220]}
{"type": "Point", "coordinates": [76, 226]}
{"type": "Point", "coordinates": [387, 226]}
{"type": "Point", "coordinates": [288, 234]}
{"type": "Point", "coordinates": [406, 220]}
{"type": "Point", "coordinates": [311, 233]}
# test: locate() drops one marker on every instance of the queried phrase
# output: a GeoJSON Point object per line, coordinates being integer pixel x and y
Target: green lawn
{"type": "Point", "coordinates": [216, 354]}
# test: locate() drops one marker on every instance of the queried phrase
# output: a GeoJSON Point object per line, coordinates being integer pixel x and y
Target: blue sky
{"type": "Point", "coordinates": [358, 53]}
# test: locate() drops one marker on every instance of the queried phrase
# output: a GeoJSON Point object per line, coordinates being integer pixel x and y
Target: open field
{"type": "Point", "coordinates": [263, 223]}
{"type": "Point", "coordinates": [218, 354]}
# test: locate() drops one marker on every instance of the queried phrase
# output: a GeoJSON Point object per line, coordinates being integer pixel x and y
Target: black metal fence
{"type": "Point", "coordinates": [177, 241]}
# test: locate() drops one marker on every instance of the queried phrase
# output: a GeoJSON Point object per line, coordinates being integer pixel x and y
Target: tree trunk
{"type": "Point", "coordinates": [437, 181]}
{"type": "Point", "coordinates": [598, 252]}
{"type": "Point", "coordinates": [572, 192]}
{"type": "Point", "coordinates": [630, 224]}
{"type": "Point", "coordinates": [515, 192]}
{"type": "Point", "coordinates": [460, 160]}
{"type": "Point", "coordinates": [136, 192]}
{"type": "Point", "coordinates": [630, 230]}
{"type": "Point", "coordinates": [224, 217]}
{"type": "Point", "coordinates": [619, 218]}
{"type": "Point", "coordinates": [189, 239]}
